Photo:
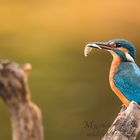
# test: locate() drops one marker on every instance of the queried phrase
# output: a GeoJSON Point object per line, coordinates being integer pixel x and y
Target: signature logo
{"type": "Point", "coordinates": [94, 129]}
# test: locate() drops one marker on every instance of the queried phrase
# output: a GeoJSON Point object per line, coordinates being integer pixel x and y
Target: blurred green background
{"type": "Point", "coordinates": [70, 89]}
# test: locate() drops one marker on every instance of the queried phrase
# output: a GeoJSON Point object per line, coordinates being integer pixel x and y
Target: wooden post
{"type": "Point", "coordinates": [26, 117]}
{"type": "Point", "coordinates": [127, 124]}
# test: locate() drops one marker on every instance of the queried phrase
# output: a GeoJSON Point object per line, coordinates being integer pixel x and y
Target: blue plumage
{"type": "Point", "coordinates": [127, 80]}
{"type": "Point", "coordinates": [124, 73]}
{"type": "Point", "coordinates": [126, 44]}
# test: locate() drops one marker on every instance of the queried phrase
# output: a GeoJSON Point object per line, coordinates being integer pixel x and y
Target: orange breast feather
{"type": "Point", "coordinates": [113, 70]}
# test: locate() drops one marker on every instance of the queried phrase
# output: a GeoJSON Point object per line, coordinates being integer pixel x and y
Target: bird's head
{"type": "Point", "coordinates": [117, 47]}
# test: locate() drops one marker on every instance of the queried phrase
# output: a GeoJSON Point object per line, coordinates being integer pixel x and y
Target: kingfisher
{"type": "Point", "coordinates": [124, 75]}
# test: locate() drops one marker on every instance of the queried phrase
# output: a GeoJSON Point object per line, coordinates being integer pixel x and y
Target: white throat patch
{"type": "Point", "coordinates": [129, 57]}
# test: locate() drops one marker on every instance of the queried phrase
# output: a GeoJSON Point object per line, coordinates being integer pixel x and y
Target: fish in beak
{"type": "Point", "coordinates": [98, 45]}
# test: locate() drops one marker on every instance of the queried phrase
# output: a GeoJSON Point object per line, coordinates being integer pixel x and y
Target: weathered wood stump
{"type": "Point", "coordinates": [127, 124]}
{"type": "Point", "coordinates": [26, 117]}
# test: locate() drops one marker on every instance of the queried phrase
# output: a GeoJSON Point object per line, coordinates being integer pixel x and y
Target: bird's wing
{"type": "Point", "coordinates": [127, 80]}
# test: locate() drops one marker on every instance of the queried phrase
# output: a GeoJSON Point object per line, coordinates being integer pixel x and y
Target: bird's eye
{"type": "Point", "coordinates": [118, 45]}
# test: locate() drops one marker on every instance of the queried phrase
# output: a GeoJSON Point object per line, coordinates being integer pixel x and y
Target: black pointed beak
{"type": "Point", "coordinates": [100, 45]}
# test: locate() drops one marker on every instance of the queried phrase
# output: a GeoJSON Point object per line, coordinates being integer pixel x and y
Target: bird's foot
{"type": "Point", "coordinates": [122, 113]}
{"type": "Point", "coordinates": [123, 107]}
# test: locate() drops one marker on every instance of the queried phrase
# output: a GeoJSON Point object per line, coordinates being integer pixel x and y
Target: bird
{"type": "Point", "coordinates": [124, 75]}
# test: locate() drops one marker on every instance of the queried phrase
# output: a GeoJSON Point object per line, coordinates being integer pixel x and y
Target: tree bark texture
{"type": "Point", "coordinates": [127, 125]}
{"type": "Point", "coordinates": [26, 117]}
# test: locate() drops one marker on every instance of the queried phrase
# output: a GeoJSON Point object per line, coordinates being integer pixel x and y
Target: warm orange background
{"type": "Point", "coordinates": [68, 87]}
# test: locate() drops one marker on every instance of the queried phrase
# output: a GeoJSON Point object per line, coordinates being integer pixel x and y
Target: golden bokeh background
{"type": "Point", "coordinates": [69, 88]}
